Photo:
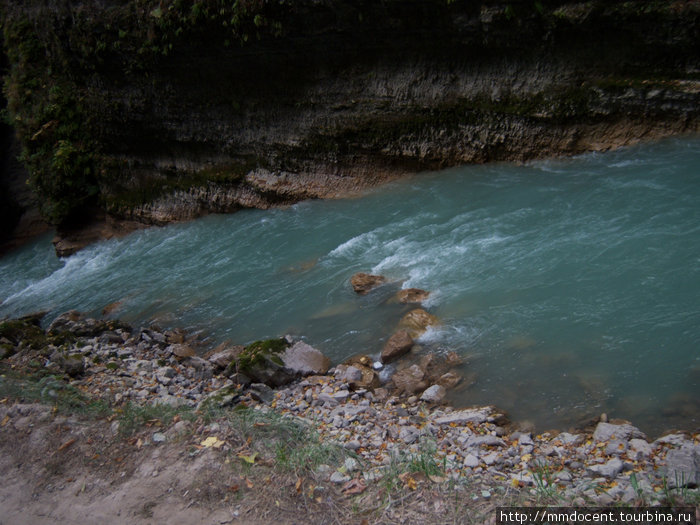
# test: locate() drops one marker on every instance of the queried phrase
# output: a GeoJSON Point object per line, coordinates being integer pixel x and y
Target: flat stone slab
{"type": "Point", "coordinates": [470, 415]}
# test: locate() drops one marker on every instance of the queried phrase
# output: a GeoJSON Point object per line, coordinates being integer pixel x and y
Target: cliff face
{"type": "Point", "coordinates": [152, 112]}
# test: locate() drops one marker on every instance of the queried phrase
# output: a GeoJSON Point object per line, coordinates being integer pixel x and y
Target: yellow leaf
{"type": "Point", "coordinates": [298, 484]}
{"type": "Point", "coordinates": [526, 457]}
{"type": "Point", "coordinates": [249, 459]}
{"type": "Point", "coordinates": [249, 483]}
{"type": "Point", "coordinates": [4, 421]}
{"type": "Point", "coordinates": [212, 441]}
{"type": "Point", "coordinates": [411, 483]}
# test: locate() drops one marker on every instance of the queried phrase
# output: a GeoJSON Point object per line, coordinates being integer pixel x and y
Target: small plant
{"type": "Point", "coordinates": [424, 461]}
{"type": "Point", "coordinates": [635, 486]}
{"type": "Point", "coordinates": [51, 390]}
{"type": "Point", "coordinates": [133, 417]}
{"type": "Point", "coordinates": [296, 446]}
{"type": "Point", "coordinates": [544, 482]}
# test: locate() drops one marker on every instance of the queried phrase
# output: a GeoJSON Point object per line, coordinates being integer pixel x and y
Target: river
{"type": "Point", "coordinates": [571, 287]}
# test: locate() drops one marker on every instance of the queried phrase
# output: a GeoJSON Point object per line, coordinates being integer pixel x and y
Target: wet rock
{"type": "Point", "coordinates": [623, 432]}
{"type": "Point", "coordinates": [398, 344]}
{"type": "Point", "coordinates": [181, 350]}
{"type": "Point", "coordinates": [360, 359]}
{"type": "Point", "coordinates": [303, 360]}
{"type": "Point", "coordinates": [434, 394]}
{"type": "Point", "coordinates": [74, 323]}
{"type": "Point", "coordinates": [362, 283]}
{"type": "Point", "coordinates": [417, 321]}
{"type": "Point", "coordinates": [449, 380]}
{"type": "Point", "coordinates": [409, 380]}
{"type": "Point", "coordinates": [412, 295]}
{"type": "Point", "coordinates": [357, 376]}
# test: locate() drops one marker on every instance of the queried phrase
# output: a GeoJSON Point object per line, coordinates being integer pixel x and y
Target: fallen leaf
{"type": "Point", "coordinates": [248, 459]}
{"type": "Point", "coordinates": [4, 421]}
{"type": "Point", "coordinates": [249, 483]}
{"type": "Point", "coordinates": [354, 486]}
{"type": "Point", "coordinates": [437, 479]}
{"type": "Point", "coordinates": [235, 487]}
{"type": "Point", "coordinates": [66, 444]}
{"type": "Point", "coordinates": [215, 442]}
{"type": "Point", "coordinates": [298, 485]}
{"type": "Point", "coordinates": [411, 483]}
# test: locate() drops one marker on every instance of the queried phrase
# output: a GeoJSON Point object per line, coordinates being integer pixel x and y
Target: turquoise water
{"type": "Point", "coordinates": [572, 287]}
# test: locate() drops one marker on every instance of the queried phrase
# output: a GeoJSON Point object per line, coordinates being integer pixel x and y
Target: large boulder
{"type": "Point", "coordinates": [417, 321]}
{"type": "Point", "coordinates": [303, 360]}
{"type": "Point", "coordinates": [275, 362]}
{"type": "Point", "coordinates": [398, 344]}
{"type": "Point", "coordinates": [683, 466]}
{"type": "Point", "coordinates": [262, 362]}
{"type": "Point", "coordinates": [621, 432]}
{"type": "Point", "coordinates": [364, 282]}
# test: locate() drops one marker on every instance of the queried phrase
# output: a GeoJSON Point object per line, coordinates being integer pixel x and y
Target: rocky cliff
{"type": "Point", "coordinates": [157, 111]}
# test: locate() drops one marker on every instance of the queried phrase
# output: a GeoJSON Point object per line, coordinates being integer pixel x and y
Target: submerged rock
{"type": "Point", "coordinates": [362, 283]}
{"type": "Point", "coordinates": [398, 344]}
{"type": "Point", "coordinates": [417, 321]}
{"type": "Point", "coordinates": [412, 295]}
{"type": "Point", "coordinates": [409, 380]}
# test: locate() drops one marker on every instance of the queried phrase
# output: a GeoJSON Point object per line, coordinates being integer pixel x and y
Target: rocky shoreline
{"type": "Point", "coordinates": [614, 464]}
